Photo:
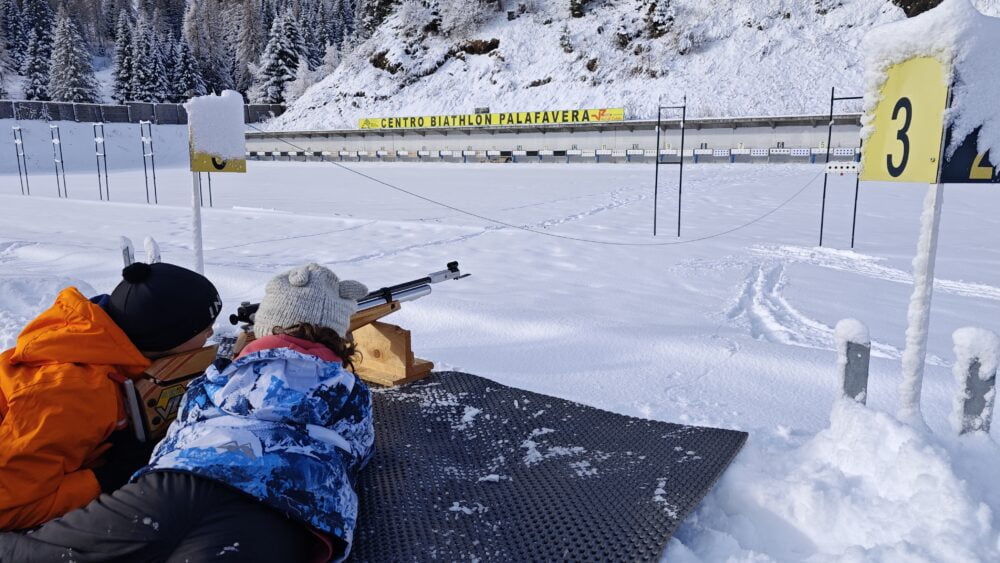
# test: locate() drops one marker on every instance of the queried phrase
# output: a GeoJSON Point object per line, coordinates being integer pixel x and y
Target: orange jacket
{"type": "Point", "coordinates": [58, 404]}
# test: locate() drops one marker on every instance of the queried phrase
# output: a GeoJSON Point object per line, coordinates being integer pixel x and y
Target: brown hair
{"type": "Point", "coordinates": [343, 348]}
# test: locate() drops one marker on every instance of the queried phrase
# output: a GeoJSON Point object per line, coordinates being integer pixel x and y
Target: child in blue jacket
{"type": "Point", "coordinates": [262, 461]}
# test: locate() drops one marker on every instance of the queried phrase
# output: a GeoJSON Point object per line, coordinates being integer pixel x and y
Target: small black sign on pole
{"type": "Point", "coordinates": [829, 140]}
{"type": "Point", "coordinates": [680, 162]}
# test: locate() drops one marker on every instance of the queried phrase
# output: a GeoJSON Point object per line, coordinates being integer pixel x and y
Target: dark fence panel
{"type": "Point", "coordinates": [167, 114]}
{"type": "Point", "coordinates": [141, 111]}
{"type": "Point", "coordinates": [61, 112]}
{"type": "Point", "coordinates": [115, 114]}
{"type": "Point", "coordinates": [88, 113]}
{"type": "Point", "coordinates": [30, 110]}
{"type": "Point", "coordinates": [133, 112]}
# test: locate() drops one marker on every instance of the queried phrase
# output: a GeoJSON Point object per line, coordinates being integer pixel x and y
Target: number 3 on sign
{"type": "Point", "coordinates": [908, 124]}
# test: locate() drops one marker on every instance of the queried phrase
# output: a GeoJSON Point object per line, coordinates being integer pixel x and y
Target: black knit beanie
{"type": "Point", "coordinates": [161, 306]}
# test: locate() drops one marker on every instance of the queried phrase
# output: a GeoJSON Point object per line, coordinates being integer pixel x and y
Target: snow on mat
{"type": "Point", "coordinates": [466, 468]}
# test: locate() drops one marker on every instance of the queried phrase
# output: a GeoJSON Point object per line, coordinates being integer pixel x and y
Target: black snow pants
{"type": "Point", "coordinates": [165, 516]}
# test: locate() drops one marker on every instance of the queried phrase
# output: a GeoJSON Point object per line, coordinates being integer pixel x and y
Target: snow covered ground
{"type": "Point", "coordinates": [732, 331]}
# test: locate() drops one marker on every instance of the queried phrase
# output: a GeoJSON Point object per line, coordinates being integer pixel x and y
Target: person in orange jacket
{"type": "Point", "coordinates": [61, 401]}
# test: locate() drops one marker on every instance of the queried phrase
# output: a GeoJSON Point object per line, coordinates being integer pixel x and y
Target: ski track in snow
{"type": "Point", "coordinates": [771, 317]}
{"type": "Point", "coordinates": [864, 265]}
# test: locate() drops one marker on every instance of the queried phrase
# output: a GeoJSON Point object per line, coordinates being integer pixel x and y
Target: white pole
{"type": "Point", "coordinates": [199, 252]}
{"type": "Point", "coordinates": [919, 313]}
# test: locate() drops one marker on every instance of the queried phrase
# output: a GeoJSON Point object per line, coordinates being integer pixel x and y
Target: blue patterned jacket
{"type": "Point", "coordinates": [287, 428]}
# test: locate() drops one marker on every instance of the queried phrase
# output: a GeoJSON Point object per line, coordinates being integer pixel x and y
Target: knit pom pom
{"type": "Point", "coordinates": [299, 277]}
{"type": "Point", "coordinates": [137, 272]}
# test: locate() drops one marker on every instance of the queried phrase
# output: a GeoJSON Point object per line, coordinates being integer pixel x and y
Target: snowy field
{"type": "Point", "coordinates": [732, 331]}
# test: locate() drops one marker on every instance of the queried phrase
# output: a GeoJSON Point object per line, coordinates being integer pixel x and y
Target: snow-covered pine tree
{"type": "Point", "coordinates": [36, 15]}
{"type": "Point", "coordinates": [202, 22]}
{"type": "Point", "coordinates": [577, 8]}
{"type": "Point", "coordinates": [71, 78]}
{"type": "Point", "coordinates": [36, 69]}
{"type": "Point", "coordinates": [293, 36]}
{"type": "Point", "coordinates": [343, 15]}
{"type": "Point", "coordinates": [187, 82]}
{"type": "Point", "coordinates": [124, 70]}
{"type": "Point", "coordinates": [167, 45]}
{"type": "Point", "coordinates": [313, 38]}
{"type": "Point", "coordinates": [249, 46]}
{"type": "Point", "coordinates": [278, 65]}
{"type": "Point", "coordinates": [4, 62]}
{"type": "Point", "coordinates": [15, 38]}
{"type": "Point", "coordinates": [371, 13]}
{"type": "Point", "coordinates": [149, 81]}
{"type": "Point", "coordinates": [659, 18]}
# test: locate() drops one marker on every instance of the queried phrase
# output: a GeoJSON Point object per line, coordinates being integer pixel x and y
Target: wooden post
{"type": "Point", "coordinates": [977, 353]}
{"type": "Point", "coordinates": [853, 359]}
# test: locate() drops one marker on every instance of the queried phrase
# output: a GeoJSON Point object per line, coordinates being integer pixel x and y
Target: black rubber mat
{"type": "Point", "coordinates": [468, 469]}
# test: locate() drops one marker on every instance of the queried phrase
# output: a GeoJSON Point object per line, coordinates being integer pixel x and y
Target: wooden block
{"type": "Point", "coordinates": [386, 355]}
{"type": "Point", "coordinates": [162, 386]}
{"type": "Point", "coordinates": [368, 316]}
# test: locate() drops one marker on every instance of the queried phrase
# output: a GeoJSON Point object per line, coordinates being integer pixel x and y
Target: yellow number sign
{"type": "Point", "coordinates": [204, 162]}
{"type": "Point", "coordinates": [909, 123]}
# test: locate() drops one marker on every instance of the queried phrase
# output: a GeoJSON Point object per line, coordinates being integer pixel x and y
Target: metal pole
{"type": "Point", "coordinates": [17, 155]}
{"type": "Point", "coordinates": [199, 252]}
{"type": "Point", "coordinates": [829, 139]}
{"type": "Point", "coordinates": [857, 189]}
{"type": "Point", "coordinates": [680, 179]}
{"type": "Point", "coordinates": [656, 181]}
{"type": "Point", "coordinates": [152, 161]}
{"type": "Point", "coordinates": [145, 170]}
{"type": "Point", "coordinates": [107, 182]}
{"type": "Point", "coordinates": [210, 204]}
{"type": "Point", "coordinates": [55, 159]}
{"type": "Point", "coordinates": [62, 162]}
{"type": "Point", "coordinates": [97, 157]}
{"type": "Point", "coordinates": [201, 194]}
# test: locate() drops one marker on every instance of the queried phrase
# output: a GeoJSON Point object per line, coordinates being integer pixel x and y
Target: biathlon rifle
{"type": "Point", "coordinates": [407, 291]}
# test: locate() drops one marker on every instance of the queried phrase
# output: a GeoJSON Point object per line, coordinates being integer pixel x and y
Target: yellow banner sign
{"type": "Point", "coordinates": [495, 119]}
{"type": "Point", "coordinates": [204, 162]}
{"type": "Point", "coordinates": [909, 123]}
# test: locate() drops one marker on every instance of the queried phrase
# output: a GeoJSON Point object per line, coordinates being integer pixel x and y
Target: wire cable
{"type": "Point", "coordinates": [544, 233]}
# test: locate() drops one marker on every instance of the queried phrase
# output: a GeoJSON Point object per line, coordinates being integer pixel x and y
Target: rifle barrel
{"type": "Point", "coordinates": [405, 295]}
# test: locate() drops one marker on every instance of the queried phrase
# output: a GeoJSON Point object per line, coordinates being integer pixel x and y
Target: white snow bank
{"type": "Point", "coordinates": [973, 344]}
{"type": "Point", "coordinates": [868, 488]}
{"type": "Point", "coordinates": [23, 297]}
{"type": "Point", "coordinates": [216, 124]}
{"type": "Point", "coordinates": [956, 34]}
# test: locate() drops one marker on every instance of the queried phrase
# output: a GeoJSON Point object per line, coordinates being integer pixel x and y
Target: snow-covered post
{"type": "Point", "coordinates": [853, 357]}
{"type": "Point", "coordinates": [977, 354]}
{"type": "Point", "coordinates": [218, 144]}
{"type": "Point", "coordinates": [919, 313]}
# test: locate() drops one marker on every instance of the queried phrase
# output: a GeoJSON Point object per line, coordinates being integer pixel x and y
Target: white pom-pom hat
{"type": "Point", "coordinates": [308, 294]}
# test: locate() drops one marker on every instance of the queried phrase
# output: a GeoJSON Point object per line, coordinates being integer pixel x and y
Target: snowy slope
{"type": "Point", "coordinates": [735, 331]}
{"type": "Point", "coordinates": [729, 58]}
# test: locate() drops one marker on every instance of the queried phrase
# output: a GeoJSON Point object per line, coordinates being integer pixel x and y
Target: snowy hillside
{"type": "Point", "coordinates": [729, 58]}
